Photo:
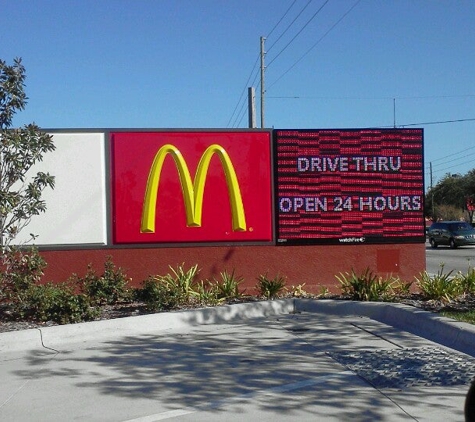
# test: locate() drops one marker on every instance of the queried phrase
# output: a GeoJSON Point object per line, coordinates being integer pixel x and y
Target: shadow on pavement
{"type": "Point", "coordinates": [279, 365]}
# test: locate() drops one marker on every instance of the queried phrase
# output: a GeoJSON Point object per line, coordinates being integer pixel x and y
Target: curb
{"type": "Point", "coordinates": [447, 332]}
{"type": "Point", "coordinates": [56, 337]}
{"type": "Point", "coordinates": [431, 326]}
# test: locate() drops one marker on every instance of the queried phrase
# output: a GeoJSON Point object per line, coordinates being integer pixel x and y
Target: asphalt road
{"type": "Point", "coordinates": [458, 259]}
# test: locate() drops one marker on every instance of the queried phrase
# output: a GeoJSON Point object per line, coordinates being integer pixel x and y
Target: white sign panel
{"type": "Point", "coordinates": [76, 209]}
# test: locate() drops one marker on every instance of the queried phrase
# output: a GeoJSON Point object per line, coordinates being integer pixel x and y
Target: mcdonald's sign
{"type": "Point", "coordinates": [191, 186]}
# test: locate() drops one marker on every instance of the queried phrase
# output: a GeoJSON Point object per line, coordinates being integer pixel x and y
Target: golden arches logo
{"type": "Point", "coordinates": [192, 191]}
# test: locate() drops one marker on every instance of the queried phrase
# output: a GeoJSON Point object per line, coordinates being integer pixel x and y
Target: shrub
{"type": "Point", "coordinates": [57, 303]}
{"type": "Point", "coordinates": [181, 280]}
{"type": "Point", "coordinates": [298, 291]}
{"type": "Point", "coordinates": [208, 294]}
{"type": "Point", "coordinates": [270, 288]}
{"type": "Point", "coordinates": [158, 296]}
{"type": "Point", "coordinates": [467, 281]}
{"type": "Point", "coordinates": [441, 286]}
{"type": "Point", "coordinates": [109, 288]}
{"type": "Point", "coordinates": [20, 270]}
{"type": "Point", "coordinates": [324, 292]}
{"type": "Point", "coordinates": [366, 286]}
{"type": "Point", "coordinates": [401, 288]}
{"type": "Point", "coordinates": [228, 286]}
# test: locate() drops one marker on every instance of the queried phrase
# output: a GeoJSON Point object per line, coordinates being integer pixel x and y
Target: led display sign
{"type": "Point", "coordinates": [349, 186]}
{"type": "Point", "coordinates": [191, 186]}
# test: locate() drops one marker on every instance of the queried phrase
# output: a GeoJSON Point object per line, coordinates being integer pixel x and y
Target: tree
{"type": "Point", "coordinates": [452, 197]}
{"type": "Point", "coordinates": [20, 149]}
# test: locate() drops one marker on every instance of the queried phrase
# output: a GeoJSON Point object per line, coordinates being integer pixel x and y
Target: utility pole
{"type": "Point", "coordinates": [262, 81]}
{"type": "Point", "coordinates": [251, 106]}
{"type": "Point", "coordinates": [432, 192]}
{"type": "Point", "coordinates": [430, 166]}
{"type": "Point", "coordinates": [394, 112]}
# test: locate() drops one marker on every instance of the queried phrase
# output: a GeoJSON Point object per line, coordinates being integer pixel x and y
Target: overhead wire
{"type": "Point", "coordinates": [288, 26]}
{"type": "Point", "coordinates": [441, 163]}
{"type": "Point", "coordinates": [244, 90]}
{"type": "Point", "coordinates": [455, 165]}
{"type": "Point", "coordinates": [438, 122]}
{"type": "Point", "coordinates": [299, 32]}
{"type": "Point", "coordinates": [240, 105]}
{"type": "Point", "coordinates": [434, 171]}
{"type": "Point", "coordinates": [455, 153]}
{"type": "Point", "coordinates": [240, 115]}
{"type": "Point", "coordinates": [243, 108]}
{"type": "Point", "coordinates": [299, 97]}
{"type": "Point", "coordinates": [282, 18]}
{"type": "Point", "coordinates": [435, 168]}
{"type": "Point", "coordinates": [315, 44]}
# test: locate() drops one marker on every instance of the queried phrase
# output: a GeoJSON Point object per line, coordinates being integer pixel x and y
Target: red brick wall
{"type": "Point", "coordinates": [315, 266]}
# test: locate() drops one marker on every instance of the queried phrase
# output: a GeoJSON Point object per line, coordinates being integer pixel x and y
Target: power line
{"type": "Point", "coordinates": [236, 117]}
{"type": "Point", "coordinates": [240, 114]}
{"type": "Point", "coordinates": [438, 122]}
{"type": "Point", "coordinates": [455, 153]}
{"type": "Point", "coordinates": [244, 90]}
{"type": "Point", "coordinates": [299, 32]}
{"type": "Point", "coordinates": [280, 20]}
{"type": "Point", "coordinates": [299, 97]}
{"type": "Point", "coordinates": [455, 165]}
{"type": "Point", "coordinates": [432, 170]}
{"type": "Point", "coordinates": [314, 45]}
{"type": "Point", "coordinates": [288, 26]}
{"type": "Point", "coordinates": [454, 159]}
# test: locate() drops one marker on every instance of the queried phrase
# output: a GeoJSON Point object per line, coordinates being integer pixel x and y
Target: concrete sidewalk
{"type": "Point", "coordinates": [299, 360]}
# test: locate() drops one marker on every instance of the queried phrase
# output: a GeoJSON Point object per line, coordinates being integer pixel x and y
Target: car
{"type": "Point", "coordinates": [451, 233]}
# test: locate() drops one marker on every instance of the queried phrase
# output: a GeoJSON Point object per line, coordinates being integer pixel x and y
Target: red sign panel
{"type": "Point", "coordinates": [349, 186]}
{"type": "Point", "coordinates": [173, 187]}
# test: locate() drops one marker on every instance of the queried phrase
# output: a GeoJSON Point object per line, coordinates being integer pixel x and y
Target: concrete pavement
{"type": "Point", "coordinates": [299, 360]}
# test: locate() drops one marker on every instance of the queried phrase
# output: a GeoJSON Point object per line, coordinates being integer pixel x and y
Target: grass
{"type": "Point", "coordinates": [463, 316]}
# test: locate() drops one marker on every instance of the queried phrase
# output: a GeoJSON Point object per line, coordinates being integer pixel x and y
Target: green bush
{"type": "Point", "coordinates": [467, 281]}
{"type": "Point", "coordinates": [171, 290]}
{"type": "Point", "coordinates": [270, 288]}
{"type": "Point", "coordinates": [57, 303]}
{"type": "Point", "coordinates": [208, 294]}
{"type": "Point", "coordinates": [441, 286]}
{"type": "Point", "coordinates": [228, 286]}
{"type": "Point", "coordinates": [20, 270]}
{"type": "Point", "coordinates": [401, 288]}
{"type": "Point", "coordinates": [183, 281]}
{"type": "Point", "coordinates": [366, 286]}
{"type": "Point", "coordinates": [158, 296]}
{"type": "Point", "coordinates": [109, 288]}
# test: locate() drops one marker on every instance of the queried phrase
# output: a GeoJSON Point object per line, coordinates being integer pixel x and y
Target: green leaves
{"type": "Point", "coordinates": [228, 286]}
{"type": "Point", "coordinates": [12, 92]}
{"type": "Point", "coordinates": [20, 150]}
{"type": "Point", "coordinates": [270, 288]}
{"type": "Point", "coordinates": [366, 286]}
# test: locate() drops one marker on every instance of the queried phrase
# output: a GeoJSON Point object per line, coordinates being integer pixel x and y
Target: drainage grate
{"type": "Point", "coordinates": [398, 368]}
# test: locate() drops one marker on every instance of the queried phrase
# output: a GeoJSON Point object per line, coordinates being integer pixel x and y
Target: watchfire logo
{"type": "Point", "coordinates": [192, 191]}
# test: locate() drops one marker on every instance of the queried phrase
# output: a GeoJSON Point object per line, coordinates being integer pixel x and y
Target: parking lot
{"type": "Point", "coordinates": [280, 360]}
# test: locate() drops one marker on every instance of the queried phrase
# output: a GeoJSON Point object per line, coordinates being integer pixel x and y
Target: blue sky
{"type": "Point", "coordinates": [187, 63]}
